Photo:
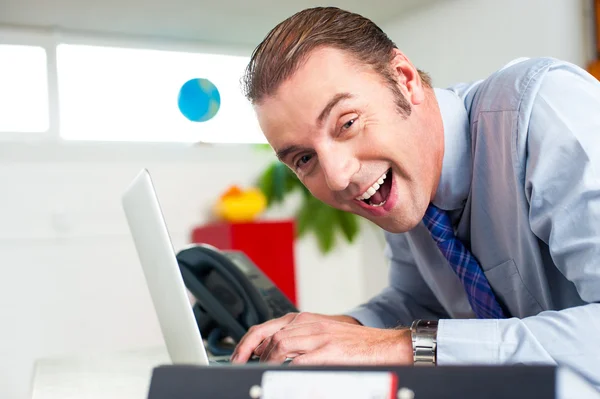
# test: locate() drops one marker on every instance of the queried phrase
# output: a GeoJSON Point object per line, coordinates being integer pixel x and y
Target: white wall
{"type": "Point", "coordinates": [71, 280]}
{"type": "Point", "coordinates": [464, 40]}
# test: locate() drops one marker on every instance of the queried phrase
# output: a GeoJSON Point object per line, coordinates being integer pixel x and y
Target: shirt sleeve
{"type": "Point", "coordinates": [562, 183]}
{"type": "Point", "coordinates": [406, 298]}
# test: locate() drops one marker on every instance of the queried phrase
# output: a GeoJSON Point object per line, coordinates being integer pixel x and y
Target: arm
{"type": "Point", "coordinates": [563, 188]}
{"type": "Point", "coordinates": [318, 339]}
{"type": "Point", "coordinates": [406, 298]}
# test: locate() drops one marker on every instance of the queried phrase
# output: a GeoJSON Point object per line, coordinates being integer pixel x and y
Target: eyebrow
{"type": "Point", "coordinates": [284, 152]}
{"type": "Point", "coordinates": [332, 103]}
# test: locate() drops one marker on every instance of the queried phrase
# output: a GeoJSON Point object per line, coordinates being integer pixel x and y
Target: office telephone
{"type": "Point", "coordinates": [232, 294]}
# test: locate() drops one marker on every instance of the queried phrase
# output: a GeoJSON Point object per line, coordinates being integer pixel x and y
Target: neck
{"type": "Point", "coordinates": [433, 127]}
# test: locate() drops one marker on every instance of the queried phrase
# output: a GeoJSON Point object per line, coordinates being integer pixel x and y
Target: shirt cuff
{"type": "Point", "coordinates": [468, 342]}
{"type": "Point", "coordinates": [366, 317]}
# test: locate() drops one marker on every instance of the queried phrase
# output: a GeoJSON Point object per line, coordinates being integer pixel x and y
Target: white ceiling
{"type": "Point", "coordinates": [232, 22]}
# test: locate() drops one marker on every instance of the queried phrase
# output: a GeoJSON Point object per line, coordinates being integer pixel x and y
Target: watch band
{"type": "Point", "coordinates": [424, 342]}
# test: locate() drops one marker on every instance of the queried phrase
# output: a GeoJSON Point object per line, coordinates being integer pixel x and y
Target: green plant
{"type": "Point", "coordinates": [277, 181]}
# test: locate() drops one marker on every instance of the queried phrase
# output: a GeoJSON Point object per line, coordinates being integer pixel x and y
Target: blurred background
{"type": "Point", "coordinates": [93, 91]}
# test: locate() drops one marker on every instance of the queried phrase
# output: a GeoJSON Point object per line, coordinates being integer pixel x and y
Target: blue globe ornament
{"type": "Point", "coordinates": [199, 100]}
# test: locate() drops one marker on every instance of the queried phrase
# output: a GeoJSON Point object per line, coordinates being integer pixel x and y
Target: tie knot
{"type": "Point", "coordinates": [439, 224]}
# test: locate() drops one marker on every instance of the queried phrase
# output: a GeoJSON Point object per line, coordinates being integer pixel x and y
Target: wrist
{"type": "Point", "coordinates": [424, 342]}
{"type": "Point", "coordinates": [346, 319]}
{"type": "Point", "coordinates": [405, 354]}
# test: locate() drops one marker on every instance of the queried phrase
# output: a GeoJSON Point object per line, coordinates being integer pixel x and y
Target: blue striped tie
{"type": "Point", "coordinates": [480, 294]}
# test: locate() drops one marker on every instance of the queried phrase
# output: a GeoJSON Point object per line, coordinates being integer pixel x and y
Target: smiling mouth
{"type": "Point", "coordinates": [379, 192]}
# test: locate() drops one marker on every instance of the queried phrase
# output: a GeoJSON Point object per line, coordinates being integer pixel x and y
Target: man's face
{"type": "Point", "coordinates": [337, 125]}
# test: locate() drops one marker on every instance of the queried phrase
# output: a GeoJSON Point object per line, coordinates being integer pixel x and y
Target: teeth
{"type": "Point", "coordinates": [381, 204]}
{"type": "Point", "coordinates": [373, 189]}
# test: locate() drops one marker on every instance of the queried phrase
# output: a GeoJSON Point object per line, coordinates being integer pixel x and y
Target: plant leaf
{"type": "Point", "coordinates": [348, 223]}
{"type": "Point", "coordinates": [263, 147]}
{"type": "Point", "coordinates": [324, 226]}
{"type": "Point", "coordinates": [265, 183]}
{"type": "Point", "coordinates": [313, 215]}
{"type": "Point", "coordinates": [307, 194]}
{"type": "Point", "coordinates": [279, 181]}
{"type": "Point", "coordinates": [305, 218]}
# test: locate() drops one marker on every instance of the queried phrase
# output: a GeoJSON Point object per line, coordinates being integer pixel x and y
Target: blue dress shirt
{"type": "Point", "coordinates": [521, 181]}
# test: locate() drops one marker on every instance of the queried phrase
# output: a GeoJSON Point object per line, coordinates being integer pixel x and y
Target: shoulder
{"type": "Point", "coordinates": [515, 86]}
{"type": "Point", "coordinates": [563, 115]}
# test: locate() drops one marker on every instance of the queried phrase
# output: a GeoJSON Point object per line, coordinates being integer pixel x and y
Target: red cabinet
{"type": "Point", "coordinates": [269, 244]}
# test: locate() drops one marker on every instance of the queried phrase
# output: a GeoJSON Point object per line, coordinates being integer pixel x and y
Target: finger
{"type": "Point", "coordinates": [313, 327]}
{"type": "Point", "coordinates": [293, 329]}
{"type": "Point", "coordinates": [255, 335]}
{"type": "Point", "coordinates": [301, 319]}
{"type": "Point", "coordinates": [250, 343]}
{"type": "Point", "coordinates": [318, 357]}
{"type": "Point", "coordinates": [261, 347]}
{"type": "Point", "coordinates": [285, 345]}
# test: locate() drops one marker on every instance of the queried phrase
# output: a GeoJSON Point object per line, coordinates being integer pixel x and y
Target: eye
{"type": "Point", "coordinates": [348, 124]}
{"type": "Point", "coordinates": [303, 160]}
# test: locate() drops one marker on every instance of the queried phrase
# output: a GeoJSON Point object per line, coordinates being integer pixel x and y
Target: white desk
{"type": "Point", "coordinates": [126, 375]}
{"type": "Point", "coordinates": [123, 375]}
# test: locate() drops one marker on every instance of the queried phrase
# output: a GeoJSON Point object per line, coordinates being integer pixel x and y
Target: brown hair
{"type": "Point", "coordinates": [287, 45]}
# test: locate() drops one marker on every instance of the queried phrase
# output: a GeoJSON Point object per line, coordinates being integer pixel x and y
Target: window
{"type": "Point", "coordinates": [123, 94]}
{"type": "Point", "coordinates": [23, 89]}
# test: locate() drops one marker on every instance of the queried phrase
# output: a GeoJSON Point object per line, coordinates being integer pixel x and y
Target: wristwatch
{"type": "Point", "coordinates": [424, 342]}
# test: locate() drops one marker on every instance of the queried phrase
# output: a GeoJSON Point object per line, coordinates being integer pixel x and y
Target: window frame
{"type": "Point", "coordinates": [49, 39]}
{"type": "Point", "coordinates": [38, 38]}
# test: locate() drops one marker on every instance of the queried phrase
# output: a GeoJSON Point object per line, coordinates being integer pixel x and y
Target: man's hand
{"type": "Point", "coordinates": [317, 339]}
{"type": "Point", "coordinates": [259, 333]}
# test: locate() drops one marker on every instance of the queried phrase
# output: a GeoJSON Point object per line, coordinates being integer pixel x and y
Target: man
{"type": "Point", "coordinates": [489, 194]}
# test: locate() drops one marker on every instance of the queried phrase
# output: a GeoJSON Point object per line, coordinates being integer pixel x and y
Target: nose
{"type": "Point", "coordinates": [338, 168]}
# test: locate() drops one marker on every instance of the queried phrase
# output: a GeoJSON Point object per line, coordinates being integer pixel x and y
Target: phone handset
{"type": "Point", "coordinates": [226, 297]}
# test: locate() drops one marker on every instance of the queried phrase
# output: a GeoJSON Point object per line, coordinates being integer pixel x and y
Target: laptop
{"type": "Point", "coordinates": [159, 263]}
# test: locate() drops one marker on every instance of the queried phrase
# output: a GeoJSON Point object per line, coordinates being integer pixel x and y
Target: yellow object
{"type": "Point", "coordinates": [237, 205]}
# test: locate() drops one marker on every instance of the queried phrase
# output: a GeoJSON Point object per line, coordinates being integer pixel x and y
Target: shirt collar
{"type": "Point", "coordinates": [455, 181]}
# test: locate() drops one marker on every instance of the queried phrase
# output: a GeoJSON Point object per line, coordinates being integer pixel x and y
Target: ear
{"type": "Point", "coordinates": [408, 78]}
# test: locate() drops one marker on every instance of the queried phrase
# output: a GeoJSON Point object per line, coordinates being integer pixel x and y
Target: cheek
{"type": "Point", "coordinates": [311, 183]}
{"type": "Point", "coordinates": [389, 138]}
{"type": "Point", "coordinates": [316, 185]}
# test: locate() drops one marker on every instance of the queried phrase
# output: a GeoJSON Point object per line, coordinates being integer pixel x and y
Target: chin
{"type": "Point", "coordinates": [394, 226]}
{"type": "Point", "coordinates": [399, 222]}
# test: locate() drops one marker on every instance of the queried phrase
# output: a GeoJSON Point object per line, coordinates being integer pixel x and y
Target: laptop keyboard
{"type": "Point", "coordinates": [224, 361]}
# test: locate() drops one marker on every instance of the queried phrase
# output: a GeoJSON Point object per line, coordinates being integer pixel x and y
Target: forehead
{"type": "Point", "coordinates": [299, 100]}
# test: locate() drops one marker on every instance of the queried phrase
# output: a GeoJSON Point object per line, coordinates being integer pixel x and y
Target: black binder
{"type": "Point", "coordinates": [489, 382]}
